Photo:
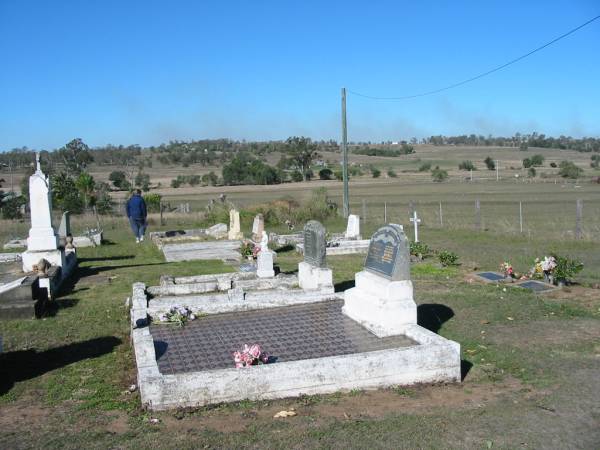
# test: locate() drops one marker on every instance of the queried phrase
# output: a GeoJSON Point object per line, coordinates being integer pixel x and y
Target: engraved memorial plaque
{"type": "Point", "coordinates": [314, 244]}
{"type": "Point", "coordinates": [389, 254]}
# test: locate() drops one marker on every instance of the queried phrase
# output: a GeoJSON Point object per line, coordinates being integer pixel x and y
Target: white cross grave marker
{"type": "Point", "coordinates": [416, 221]}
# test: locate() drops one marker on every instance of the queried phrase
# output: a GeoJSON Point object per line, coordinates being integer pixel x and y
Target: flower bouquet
{"type": "Point", "coordinates": [547, 266]}
{"type": "Point", "coordinates": [507, 269]}
{"type": "Point", "coordinates": [178, 315]}
{"type": "Point", "coordinates": [250, 355]}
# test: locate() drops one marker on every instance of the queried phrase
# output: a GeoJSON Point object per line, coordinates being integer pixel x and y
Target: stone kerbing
{"type": "Point", "coordinates": [219, 283]}
{"type": "Point", "coordinates": [216, 303]}
{"type": "Point", "coordinates": [433, 359]}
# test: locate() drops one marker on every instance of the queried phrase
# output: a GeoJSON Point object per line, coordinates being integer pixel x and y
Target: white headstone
{"type": "Point", "coordinates": [41, 234]}
{"type": "Point", "coordinates": [264, 264]}
{"type": "Point", "coordinates": [353, 228]}
{"type": "Point", "coordinates": [258, 227]}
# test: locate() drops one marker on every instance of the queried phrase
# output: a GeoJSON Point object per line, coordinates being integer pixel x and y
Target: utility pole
{"type": "Point", "coordinates": [345, 156]}
{"type": "Point", "coordinates": [497, 176]}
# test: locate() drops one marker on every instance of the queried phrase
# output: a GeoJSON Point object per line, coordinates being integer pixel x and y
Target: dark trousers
{"type": "Point", "coordinates": [138, 225]}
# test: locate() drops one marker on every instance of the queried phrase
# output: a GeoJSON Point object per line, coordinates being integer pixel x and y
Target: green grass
{"type": "Point", "coordinates": [77, 362]}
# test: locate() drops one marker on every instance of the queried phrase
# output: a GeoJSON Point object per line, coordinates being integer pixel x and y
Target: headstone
{"type": "Point", "coordinates": [312, 273]}
{"type": "Point", "coordinates": [353, 227]}
{"type": "Point", "coordinates": [258, 226]}
{"type": "Point", "coordinates": [42, 242]}
{"type": "Point", "coordinates": [315, 244]}
{"type": "Point", "coordinates": [41, 234]}
{"type": "Point", "coordinates": [382, 299]}
{"type": "Point", "coordinates": [264, 264]}
{"type": "Point", "coordinates": [234, 226]}
{"type": "Point", "coordinates": [389, 253]}
{"type": "Point", "coordinates": [65, 225]}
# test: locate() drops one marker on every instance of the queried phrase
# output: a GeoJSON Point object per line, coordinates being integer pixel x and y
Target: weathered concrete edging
{"type": "Point", "coordinates": [347, 247]}
{"type": "Point", "coordinates": [220, 283]}
{"type": "Point", "coordinates": [216, 303]}
{"type": "Point", "coordinates": [432, 359]}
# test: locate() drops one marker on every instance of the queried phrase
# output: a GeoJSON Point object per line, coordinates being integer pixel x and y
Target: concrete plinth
{"type": "Point", "coordinates": [310, 277]}
{"type": "Point", "coordinates": [385, 307]}
{"type": "Point", "coordinates": [265, 264]}
{"type": "Point", "coordinates": [31, 257]}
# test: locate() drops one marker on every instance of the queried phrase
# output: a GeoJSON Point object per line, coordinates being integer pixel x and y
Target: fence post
{"type": "Point", "coordinates": [441, 216]}
{"type": "Point", "coordinates": [579, 220]}
{"type": "Point", "coordinates": [477, 215]}
{"type": "Point", "coordinates": [521, 216]}
{"type": "Point", "coordinates": [384, 212]}
{"type": "Point", "coordinates": [364, 211]}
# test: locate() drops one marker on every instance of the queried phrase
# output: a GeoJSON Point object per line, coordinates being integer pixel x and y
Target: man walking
{"type": "Point", "coordinates": [136, 212]}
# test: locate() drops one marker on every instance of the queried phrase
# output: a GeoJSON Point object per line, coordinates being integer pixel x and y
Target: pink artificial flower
{"type": "Point", "coordinates": [254, 351]}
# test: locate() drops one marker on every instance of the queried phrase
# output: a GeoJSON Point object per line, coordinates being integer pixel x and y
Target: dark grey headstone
{"type": "Point", "coordinates": [314, 243]}
{"type": "Point", "coordinates": [389, 254]}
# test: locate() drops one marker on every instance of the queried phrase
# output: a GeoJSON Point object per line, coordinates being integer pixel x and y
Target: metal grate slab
{"type": "Point", "coordinates": [287, 334]}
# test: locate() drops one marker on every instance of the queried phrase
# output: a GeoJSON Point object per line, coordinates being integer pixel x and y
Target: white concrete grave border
{"type": "Point", "coordinates": [432, 359]}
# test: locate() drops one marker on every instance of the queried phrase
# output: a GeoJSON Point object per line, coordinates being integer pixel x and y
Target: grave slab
{"type": "Point", "coordinates": [536, 286]}
{"type": "Point", "coordinates": [491, 277]}
{"type": "Point", "coordinates": [223, 250]}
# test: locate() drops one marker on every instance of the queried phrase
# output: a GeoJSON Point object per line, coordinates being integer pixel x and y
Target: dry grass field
{"type": "Point", "coordinates": [530, 362]}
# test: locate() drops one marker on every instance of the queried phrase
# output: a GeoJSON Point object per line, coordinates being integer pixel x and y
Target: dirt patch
{"type": "Point", "coordinates": [416, 399]}
{"type": "Point", "coordinates": [588, 298]}
{"type": "Point", "coordinates": [422, 399]}
{"type": "Point", "coordinates": [545, 333]}
{"type": "Point", "coordinates": [29, 413]}
{"type": "Point", "coordinates": [118, 422]}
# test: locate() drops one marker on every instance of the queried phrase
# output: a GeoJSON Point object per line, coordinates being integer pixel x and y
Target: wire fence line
{"type": "Point", "coordinates": [577, 219]}
{"type": "Point", "coordinates": [550, 218]}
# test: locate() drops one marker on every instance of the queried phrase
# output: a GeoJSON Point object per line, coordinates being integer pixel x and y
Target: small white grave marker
{"type": "Point", "coordinates": [416, 221]}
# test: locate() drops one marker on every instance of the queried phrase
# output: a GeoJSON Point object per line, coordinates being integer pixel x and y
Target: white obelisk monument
{"type": "Point", "coordinates": [42, 241]}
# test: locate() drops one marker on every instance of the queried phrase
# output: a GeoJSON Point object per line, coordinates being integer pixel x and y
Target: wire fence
{"type": "Point", "coordinates": [575, 219]}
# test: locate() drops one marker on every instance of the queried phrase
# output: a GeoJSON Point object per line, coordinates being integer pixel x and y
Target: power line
{"type": "Point", "coordinates": [481, 75]}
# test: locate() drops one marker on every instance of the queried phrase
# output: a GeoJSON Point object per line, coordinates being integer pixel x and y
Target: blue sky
{"type": "Point", "coordinates": [128, 72]}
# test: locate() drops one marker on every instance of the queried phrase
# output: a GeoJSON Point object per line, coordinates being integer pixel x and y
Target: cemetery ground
{"type": "Point", "coordinates": [530, 362]}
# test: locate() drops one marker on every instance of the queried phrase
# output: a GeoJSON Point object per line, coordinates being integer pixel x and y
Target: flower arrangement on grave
{"type": "Point", "coordinates": [507, 269]}
{"type": "Point", "coordinates": [543, 268]}
{"type": "Point", "coordinates": [178, 315]}
{"type": "Point", "coordinates": [249, 249]}
{"type": "Point", "coordinates": [556, 269]}
{"type": "Point", "coordinates": [250, 355]}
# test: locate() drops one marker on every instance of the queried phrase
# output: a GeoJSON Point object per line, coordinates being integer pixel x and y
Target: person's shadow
{"type": "Point", "coordinates": [26, 364]}
{"type": "Point", "coordinates": [432, 316]}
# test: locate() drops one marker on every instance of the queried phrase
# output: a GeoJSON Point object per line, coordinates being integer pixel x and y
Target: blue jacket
{"type": "Point", "coordinates": [136, 207]}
